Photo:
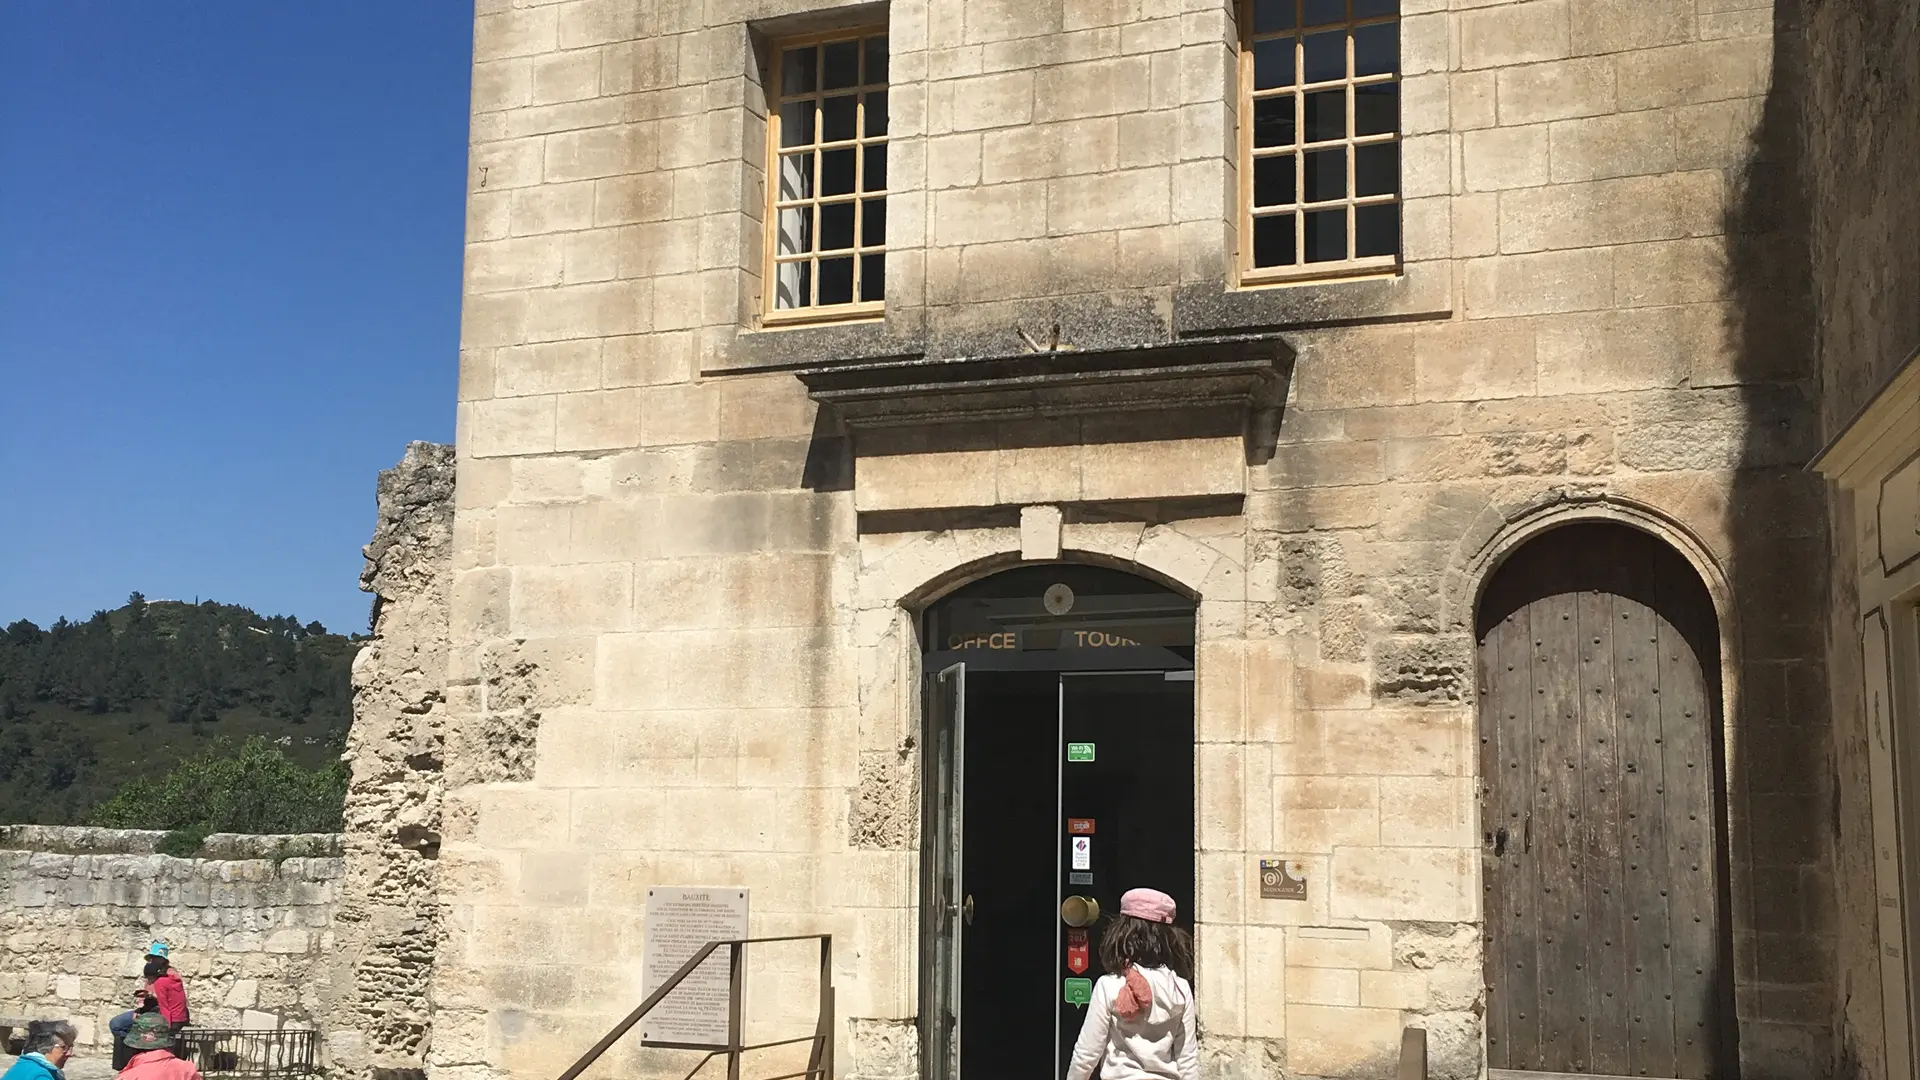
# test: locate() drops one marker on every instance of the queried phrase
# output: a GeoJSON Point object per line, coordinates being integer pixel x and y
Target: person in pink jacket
{"type": "Point", "coordinates": [151, 1040]}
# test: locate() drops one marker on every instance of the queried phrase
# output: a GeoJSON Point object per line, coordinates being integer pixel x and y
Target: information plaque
{"type": "Point", "coordinates": [679, 922]}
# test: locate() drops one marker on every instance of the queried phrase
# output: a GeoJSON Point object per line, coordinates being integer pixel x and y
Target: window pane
{"type": "Point", "coordinates": [1376, 230]}
{"type": "Point", "coordinates": [1327, 174]}
{"type": "Point", "coordinates": [1326, 56]}
{"type": "Point", "coordinates": [1272, 63]}
{"type": "Point", "coordinates": [876, 72]}
{"type": "Point", "coordinates": [793, 285]}
{"type": "Point", "coordinates": [1321, 12]}
{"type": "Point", "coordinates": [796, 231]}
{"type": "Point", "coordinates": [796, 176]}
{"type": "Point", "coordinates": [1273, 240]}
{"type": "Point", "coordinates": [874, 168]}
{"type": "Point", "coordinates": [873, 223]}
{"type": "Point", "coordinates": [836, 226]}
{"type": "Point", "coordinates": [873, 277]}
{"type": "Point", "coordinates": [1269, 15]}
{"type": "Point", "coordinates": [1376, 108]}
{"type": "Point", "coordinates": [837, 118]}
{"type": "Point", "coordinates": [798, 69]}
{"type": "Point", "coordinates": [1326, 238]}
{"type": "Point", "coordinates": [876, 114]}
{"type": "Point", "coordinates": [796, 123]}
{"type": "Point", "coordinates": [836, 280]}
{"type": "Point", "coordinates": [1273, 180]}
{"type": "Point", "coordinates": [1327, 115]}
{"type": "Point", "coordinates": [1368, 9]}
{"type": "Point", "coordinates": [1376, 49]}
{"type": "Point", "coordinates": [1376, 169]}
{"type": "Point", "coordinates": [1273, 121]}
{"type": "Point", "coordinates": [842, 69]}
{"type": "Point", "coordinates": [836, 172]}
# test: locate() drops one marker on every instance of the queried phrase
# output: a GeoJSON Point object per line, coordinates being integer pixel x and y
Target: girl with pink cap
{"type": "Point", "coordinates": [1140, 1023]}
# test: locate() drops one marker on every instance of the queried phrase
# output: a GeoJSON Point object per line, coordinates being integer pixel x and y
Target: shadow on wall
{"type": "Point", "coordinates": [1783, 800]}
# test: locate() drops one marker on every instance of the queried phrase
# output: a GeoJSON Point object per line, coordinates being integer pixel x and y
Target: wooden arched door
{"type": "Point", "coordinates": [1607, 949]}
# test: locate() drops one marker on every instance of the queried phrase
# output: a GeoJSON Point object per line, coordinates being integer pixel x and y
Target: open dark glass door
{"type": "Point", "coordinates": [942, 905]}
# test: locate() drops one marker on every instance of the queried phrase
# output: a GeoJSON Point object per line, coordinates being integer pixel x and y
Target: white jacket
{"type": "Point", "coordinates": [1160, 1045]}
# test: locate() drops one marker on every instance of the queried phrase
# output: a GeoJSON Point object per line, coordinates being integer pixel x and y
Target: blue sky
{"type": "Point", "coordinates": [229, 292]}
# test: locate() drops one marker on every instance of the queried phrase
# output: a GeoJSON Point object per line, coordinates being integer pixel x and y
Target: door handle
{"type": "Point", "coordinates": [1526, 834]}
{"type": "Point", "coordinates": [1499, 841]}
{"type": "Point", "coordinates": [966, 910]}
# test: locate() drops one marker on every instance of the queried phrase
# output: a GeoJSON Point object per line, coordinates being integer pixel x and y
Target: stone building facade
{"type": "Point", "coordinates": [1860, 129]}
{"type": "Point", "coordinates": [714, 485]}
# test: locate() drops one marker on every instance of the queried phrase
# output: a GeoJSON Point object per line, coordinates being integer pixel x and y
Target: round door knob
{"type": "Point", "coordinates": [1078, 911]}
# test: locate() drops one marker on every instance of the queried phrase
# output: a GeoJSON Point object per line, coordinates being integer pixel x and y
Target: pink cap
{"type": "Point", "coordinates": [1149, 904]}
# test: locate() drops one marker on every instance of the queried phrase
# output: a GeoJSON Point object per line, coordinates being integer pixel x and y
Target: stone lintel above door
{"type": "Point", "coordinates": [1062, 427]}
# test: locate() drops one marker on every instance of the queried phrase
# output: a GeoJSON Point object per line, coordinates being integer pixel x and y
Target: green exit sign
{"type": "Point", "coordinates": [1079, 751]}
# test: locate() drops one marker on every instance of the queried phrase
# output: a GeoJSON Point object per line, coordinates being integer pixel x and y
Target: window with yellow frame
{"type": "Point", "coordinates": [827, 177]}
{"type": "Point", "coordinates": [1319, 138]}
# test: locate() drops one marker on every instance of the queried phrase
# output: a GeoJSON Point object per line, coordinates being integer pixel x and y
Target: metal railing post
{"type": "Point", "coordinates": [1413, 1054]}
{"type": "Point", "coordinates": [735, 1023]}
{"type": "Point", "coordinates": [820, 1061]}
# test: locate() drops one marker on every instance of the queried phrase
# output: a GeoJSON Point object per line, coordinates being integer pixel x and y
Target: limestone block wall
{"type": "Point", "coordinates": [250, 925]}
{"type": "Point", "coordinates": [705, 592]}
{"type": "Point", "coordinates": [1858, 126]}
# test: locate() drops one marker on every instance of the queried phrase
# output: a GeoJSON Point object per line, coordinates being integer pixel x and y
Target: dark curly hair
{"type": "Point", "coordinates": [1126, 940]}
{"type": "Point", "coordinates": [156, 966]}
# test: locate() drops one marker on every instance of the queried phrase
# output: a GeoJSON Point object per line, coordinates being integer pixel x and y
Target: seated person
{"type": "Point", "coordinates": [151, 1040]}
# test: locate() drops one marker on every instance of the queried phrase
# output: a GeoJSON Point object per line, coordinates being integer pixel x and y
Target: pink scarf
{"type": "Point", "coordinates": [1134, 997]}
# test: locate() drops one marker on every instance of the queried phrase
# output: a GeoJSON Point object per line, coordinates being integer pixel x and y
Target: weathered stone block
{"type": "Point", "coordinates": [1464, 361]}
{"type": "Point", "coordinates": [1694, 73]}
{"type": "Point", "coordinates": [1505, 157]}
{"type": "Point", "coordinates": [1578, 280]}
{"type": "Point", "coordinates": [1426, 670]}
{"type": "Point", "coordinates": [1613, 26]}
{"type": "Point", "coordinates": [1521, 33]}
{"type": "Point", "coordinates": [1556, 90]}
{"type": "Point", "coordinates": [1405, 883]}
{"type": "Point", "coordinates": [1600, 147]}
{"type": "Point", "coordinates": [1620, 211]}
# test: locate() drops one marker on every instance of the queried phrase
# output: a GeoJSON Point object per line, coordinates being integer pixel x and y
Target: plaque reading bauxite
{"type": "Point", "coordinates": [679, 922]}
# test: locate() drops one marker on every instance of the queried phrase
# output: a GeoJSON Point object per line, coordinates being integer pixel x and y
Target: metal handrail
{"type": "Point", "coordinates": [819, 1062]}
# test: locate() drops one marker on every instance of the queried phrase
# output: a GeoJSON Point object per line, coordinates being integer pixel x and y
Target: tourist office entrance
{"type": "Point", "coordinates": [1060, 773]}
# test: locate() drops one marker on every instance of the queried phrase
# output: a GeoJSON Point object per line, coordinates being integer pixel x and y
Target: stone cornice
{"type": "Point", "coordinates": [1881, 435]}
{"type": "Point", "coordinates": [1247, 371]}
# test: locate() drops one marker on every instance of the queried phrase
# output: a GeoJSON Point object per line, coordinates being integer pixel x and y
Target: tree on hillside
{"type": "Point", "coordinates": [88, 707]}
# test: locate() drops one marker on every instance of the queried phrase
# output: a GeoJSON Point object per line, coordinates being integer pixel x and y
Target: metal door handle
{"type": "Point", "coordinates": [1526, 834]}
{"type": "Point", "coordinates": [966, 910]}
{"type": "Point", "coordinates": [1499, 841]}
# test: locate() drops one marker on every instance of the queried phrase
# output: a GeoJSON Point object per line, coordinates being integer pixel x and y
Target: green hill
{"type": "Point", "coordinates": [88, 708]}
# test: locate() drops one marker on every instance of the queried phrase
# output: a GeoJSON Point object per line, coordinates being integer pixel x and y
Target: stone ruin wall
{"type": "Point", "coordinates": [250, 925]}
{"type": "Point", "coordinates": [376, 1020]}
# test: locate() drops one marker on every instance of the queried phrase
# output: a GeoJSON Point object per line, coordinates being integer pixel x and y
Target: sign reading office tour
{"type": "Point", "coordinates": [680, 921]}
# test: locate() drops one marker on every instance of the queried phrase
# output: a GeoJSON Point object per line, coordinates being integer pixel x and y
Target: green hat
{"type": "Point", "coordinates": [150, 1031]}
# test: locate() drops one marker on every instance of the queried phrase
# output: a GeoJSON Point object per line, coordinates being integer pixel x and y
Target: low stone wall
{"type": "Point", "coordinates": [250, 925]}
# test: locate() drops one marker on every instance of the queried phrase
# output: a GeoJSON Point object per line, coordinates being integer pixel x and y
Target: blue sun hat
{"type": "Point", "coordinates": [158, 948]}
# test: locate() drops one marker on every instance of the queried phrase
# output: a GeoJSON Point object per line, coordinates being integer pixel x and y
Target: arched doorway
{"type": "Point", "coordinates": [1607, 944]}
{"type": "Point", "coordinates": [1058, 762]}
